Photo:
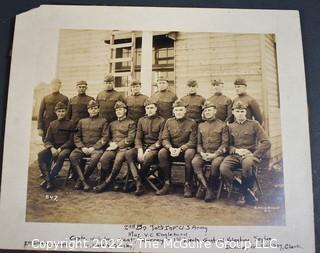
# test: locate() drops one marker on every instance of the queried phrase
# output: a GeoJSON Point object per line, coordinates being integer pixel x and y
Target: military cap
{"type": "Point", "coordinates": [239, 105]}
{"type": "Point", "coordinates": [56, 80]}
{"type": "Point", "coordinates": [92, 103]}
{"type": "Point", "coordinates": [109, 78]}
{"type": "Point", "coordinates": [216, 82]}
{"type": "Point", "coordinates": [120, 104]}
{"type": "Point", "coordinates": [149, 101]}
{"type": "Point", "coordinates": [82, 83]}
{"type": "Point", "coordinates": [162, 78]}
{"type": "Point", "coordinates": [60, 105]}
{"type": "Point", "coordinates": [192, 83]}
{"type": "Point", "coordinates": [240, 81]}
{"type": "Point", "coordinates": [179, 103]}
{"type": "Point", "coordinates": [135, 82]}
{"type": "Point", "coordinates": [208, 104]}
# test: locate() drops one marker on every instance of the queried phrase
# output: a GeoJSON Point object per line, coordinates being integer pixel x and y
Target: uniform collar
{"type": "Point", "coordinates": [122, 119]}
{"type": "Point", "coordinates": [218, 93]}
{"type": "Point", "coordinates": [241, 123]}
{"type": "Point", "coordinates": [242, 94]}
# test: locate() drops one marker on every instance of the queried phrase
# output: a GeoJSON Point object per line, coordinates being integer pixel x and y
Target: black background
{"type": "Point", "coordinates": [310, 27]}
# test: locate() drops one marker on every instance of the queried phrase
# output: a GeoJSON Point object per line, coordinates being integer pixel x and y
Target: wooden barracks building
{"type": "Point", "coordinates": [90, 54]}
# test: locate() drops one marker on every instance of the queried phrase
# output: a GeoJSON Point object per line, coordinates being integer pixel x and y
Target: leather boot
{"type": "Point", "coordinates": [187, 190]}
{"type": "Point", "coordinates": [140, 188]}
{"type": "Point", "coordinates": [85, 185]}
{"type": "Point", "coordinates": [210, 193]}
{"type": "Point", "coordinates": [164, 190]}
{"type": "Point", "coordinates": [249, 197]}
{"type": "Point", "coordinates": [203, 187]}
{"type": "Point", "coordinates": [101, 187]}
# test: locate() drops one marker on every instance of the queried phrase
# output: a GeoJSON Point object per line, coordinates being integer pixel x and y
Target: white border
{"type": "Point", "coordinates": [32, 61]}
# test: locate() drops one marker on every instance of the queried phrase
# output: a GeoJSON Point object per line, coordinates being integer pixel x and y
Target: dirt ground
{"type": "Point", "coordinates": [69, 206]}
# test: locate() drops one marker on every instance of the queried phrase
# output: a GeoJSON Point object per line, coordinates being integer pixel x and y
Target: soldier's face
{"type": "Point", "coordinates": [209, 112]}
{"type": "Point", "coordinates": [121, 112]}
{"type": "Point", "coordinates": [151, 110]}
{"type": "Point", "coordinates": [239, 114]}
{"type": "Point", "coordinates": [55, 86]}
{"type": "Point", "coordinates": [240, 89]}
{"type": "Point", "coordinates": [82, 89]}
{"type": "Point", "coordinates": [217, 88]}
{"type": "Point", "coordinates": [109, 85]}
{"type": "Point", "coordinates": [162, 85]}
{"type": "Point", "coordinates": [179, 112]}
{"type": "Point", "coordinates": [135, 89]}
{"type": "Point", "coordinates": [61, 113]}
{"type": "Point", "coordinates": [93, 111]}
{"type": "Point", "coordinates": [193, 89]}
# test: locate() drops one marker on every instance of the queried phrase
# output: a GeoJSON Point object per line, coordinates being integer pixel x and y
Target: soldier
{"type": "Point", "coordinates": [89, 141]}
{"type": "Point", "coordinates": [179, 138]}
{"type": "Point", "coordinates": [147, 143]}
{"type": "Point", "coordinates": [253, 109]}
{"type": "Point", "coordinates": [212, 144]}
{"type": "Point", "coordinates": [47, 107]}
{"type": "Point", "coordinates": [164, 98]}
{"type": "Point", "coordinates": [223, 103]}
{"type": "Point", "coordinates": [58, 145]}
{"type": "Point", "coordinates": [107, 99]}
{"type": "Point", "coordinates": [78, 104]}
{"type": "Point", "coordinates": [121, 135]}
{"type": "Point", "coordinates": [135, 102]}
{"type": "Point", "coordinates": [248, 143]}
{"type": "Point", "coordinates": [193, 102]}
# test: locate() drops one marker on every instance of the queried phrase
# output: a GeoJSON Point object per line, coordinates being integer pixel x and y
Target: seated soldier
{"type": "Point", "coordinates": [248, 143]}
{"type": "Point", "coordinates": [147, 143]}
{"type": "Point", "coordinates": [89, 140]}
{"type": "Point", "coordinates": [58, 145]}
{"type": "Point", "coordinates": [179, 139]}
{"type": "Point", "coordinates": [121, 134]}
{"type": "Point", "coordinates": [212, 144]}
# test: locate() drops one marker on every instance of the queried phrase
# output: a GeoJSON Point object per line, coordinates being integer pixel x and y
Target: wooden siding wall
{"type": "Point", "coordinates": [271, 80]}
{"type": "Point", "coordinates": [83, 55]}
{"type": "Point", "coordinates": [207, 56]}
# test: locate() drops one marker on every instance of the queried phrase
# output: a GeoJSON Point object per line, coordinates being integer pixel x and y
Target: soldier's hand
{"type": "Point", "coordinates": [172, 151]}
{"type": "Point", "coordinates": [178, 151]}
{"type": "Point", "coordinates": [203, 155]}
{"type": "Point", "coordinates": [90, 150]}
{"type": "Point", "coordinates": [40, 132]}
{"type": "Point", "coordinates": [84, 150]}
{"type": "Point", "coordinates": [54, 151]}
{"type": "Point", "coordinates": [140, 155]}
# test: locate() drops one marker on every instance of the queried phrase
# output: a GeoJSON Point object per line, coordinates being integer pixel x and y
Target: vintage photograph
{"type": "Point", "coordinates": [149, 127]}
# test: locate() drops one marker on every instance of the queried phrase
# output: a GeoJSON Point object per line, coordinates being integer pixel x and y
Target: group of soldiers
{"type": "Point", "coordinates": [142, 131]}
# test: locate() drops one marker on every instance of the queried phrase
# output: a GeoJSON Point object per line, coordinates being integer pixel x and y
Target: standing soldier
{"type": "Point", "coordinates": [89, 142]}
{"type": "Point", "coordinates": [248, 144]}
{"type": "Point", "coordinates": [223, 103]}
{"type": "Point", "coordinates": [147, 143]}
{"type": "Point", "coordinates": [78, 104]}
{"type": "Point", "coordinates": [108, 98]}
{"type": "Point", "coordinates": [135, 102]}
{"type": "Point", "coordinates": [179, 138]}
{"type": "Point", "coordinates": [58, 145]}
{"type": "Point", "coordinates": [121, 136]}
{"type": "Point", "coordinates": [212, 144]}
{"type": "Point", "coordinates": [253, 109]}
{"type": "Point", "coordinates": [164, 98]}
{"type": "Point", "coordinates": [193, 102]}
{"type": "Point", "coordinates": [47, 107]}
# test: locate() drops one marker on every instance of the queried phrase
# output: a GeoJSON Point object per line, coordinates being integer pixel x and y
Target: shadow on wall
{"type": "Point", "coordinates": [39, 92]}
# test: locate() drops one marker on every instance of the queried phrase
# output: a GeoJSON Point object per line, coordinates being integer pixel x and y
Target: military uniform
{"type": "Point", "coordinates": [91, 132]}
{"type": "Point", "coordinates": [78, 107]}
{"type": "Point", "coordinates": [253, 109]}
{"type": "Point", "coordinates": [164, 100]}
{"type": "Point", "coordinates": [178, 133]}
{"type": "Point", "coordinates": [223, 105]}
{"type": "Point", "coordinates": [59, 136]}
{"type": "Point", "coordinates": [248, 135]}
{"type": "Point", "coordinates": [148, 136]}
{"type": "Point", "coordinates": [107, 99]}
{"type": "Point", "coordinates": [213, 139]}
{"type": "Point", "coordinates": [193, 105]}
{"type": "Point", "coordinates": [122, 132]}
{"type": "Point", "coordinates": [135, 105]}
{"type": "Point", "coordinates": [47, 110]}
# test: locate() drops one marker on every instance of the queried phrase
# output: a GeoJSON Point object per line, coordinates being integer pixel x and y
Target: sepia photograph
{"type": "Point", "coordinates": [106, 128]}
{"type": "Point", "coordinates": [140, 129]}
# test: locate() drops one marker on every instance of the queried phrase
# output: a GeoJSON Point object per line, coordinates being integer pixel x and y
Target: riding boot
{"type": "Point", "coordinates": [210, 194]}
{"type": "Point", "coordinates": [140, 187]}
{"type": "Point", "coordinates": [47, 184]}
{"type": "Point", "coordinates": [101, 187]}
